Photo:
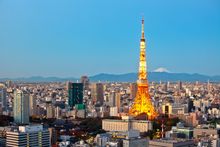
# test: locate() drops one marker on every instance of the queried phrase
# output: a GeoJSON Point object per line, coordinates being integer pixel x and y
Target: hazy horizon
{"type": "Point", "coordinates": [78, 77]}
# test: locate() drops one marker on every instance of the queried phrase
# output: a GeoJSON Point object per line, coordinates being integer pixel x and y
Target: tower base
{"type": "Point", "coordinates": [142, 103]}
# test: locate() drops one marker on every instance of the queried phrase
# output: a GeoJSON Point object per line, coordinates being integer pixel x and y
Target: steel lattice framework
{"type": "Point", "coordinates": [142, 103]}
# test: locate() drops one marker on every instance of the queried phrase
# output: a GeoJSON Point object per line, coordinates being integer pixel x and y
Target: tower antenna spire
{"type": "Point", "coordinates": [142, 28]}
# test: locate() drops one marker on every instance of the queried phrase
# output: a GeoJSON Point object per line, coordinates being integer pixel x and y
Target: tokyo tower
{"type": "Point", "coordinates": [142, 103]}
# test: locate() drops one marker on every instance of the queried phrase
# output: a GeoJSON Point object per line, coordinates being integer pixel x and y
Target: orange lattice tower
{"type": "Point", "coordinates": [142, 103]}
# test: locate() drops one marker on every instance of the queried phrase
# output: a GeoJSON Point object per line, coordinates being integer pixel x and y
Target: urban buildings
{"type": "Point", "coordinates": [3, 101]}
{"type": "Point", "coordinates": [171, 143]}
{"type": "Point", "coordinates": [97, 93]}
{"type": "Point", "coordinates": [126, 124]}
{"type": "Point", "coordinates": [180, 131]}
{"type": "Point", "coordinates": [188, 112]}
{"type": "Point", "coordinates": [31, 135]}
{"type": "Point", "coordinates": [75, 94]}
{"type": "Point", "coordinates": [129, 138]}
{"type": "Point", "coordinates": [133, 90]}
{"type": "Point", "coordinates": [85, 81]}
{"type": "Point", "coordinates": [33, 105]}
{"type": "Point", "coordinates": [21, 107]}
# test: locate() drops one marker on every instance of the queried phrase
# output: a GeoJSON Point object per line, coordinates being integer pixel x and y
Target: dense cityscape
{"type": "Point", "coordinates": [94, 115]}
{"type": "Point", "coordinates": [86, 113]}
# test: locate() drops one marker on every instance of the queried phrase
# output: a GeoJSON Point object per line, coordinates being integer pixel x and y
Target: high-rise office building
{"type": "Point", "coordinates": [75, 92]}
{"type": "Point", "coordinates": [67, 87]}
{"type": "Point", "coordinates": [180, 85]}
{"type": "Point", "coordinates": [115, 100]}
{"type": "Point", "coordinates": [3, 101]}
{"type": "Point", "coordinates": [112, 99]}
{"type": "Point", "coordinates": [85, 81]}
{"type": "Point", "coordinates": [32, 104]}
{"type": "Point", "coordinates": [21, 107]}
{"type": "Point", "coordinates": [118, 99]}
{"type": "Point", "coordinates": [97, 93]}
{"type": "Point", "coordinates": [53, 136]}
{"type": "Point", "coordinates": [28, 136]}
{"type": "Point", "coordinates": [50, 111]}
{"type": "Point", "coordinates": [133, 90]}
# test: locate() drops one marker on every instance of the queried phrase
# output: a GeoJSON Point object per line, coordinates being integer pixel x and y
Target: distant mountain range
{"type": "Point", "coordinates": [128, 77]}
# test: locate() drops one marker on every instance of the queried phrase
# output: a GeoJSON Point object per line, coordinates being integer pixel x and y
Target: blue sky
{"type": "Point", "coordinates": [85, 37]}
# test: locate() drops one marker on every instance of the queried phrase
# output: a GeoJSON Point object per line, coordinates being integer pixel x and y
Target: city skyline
{"type": "Point", "coordinates": [71, 39]}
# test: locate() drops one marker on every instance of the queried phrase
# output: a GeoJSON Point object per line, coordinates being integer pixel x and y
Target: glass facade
{"type": "Point", "coordinates": [75, 92]}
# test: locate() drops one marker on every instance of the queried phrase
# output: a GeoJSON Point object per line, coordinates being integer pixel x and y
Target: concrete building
{"type": "Point", "coordinates": [129, 138]}
{"type": "Point", "coordinates": [97, 93]}
{"type": "Point", "coordinates": [112, 99]}
{"type": "Point", "coordinates": [133, 90]}
{"type": "Point", "coordinates": [173, 109]}
{"type": "Point", "coordinates": [113, 111]}
{"type": "Point", "coordinates": [25, 136]}
{"type": "Point", "coordinates": [171, 143]}
{"type": "Point", "coordinates": [179, 131]}
{"type": "Point", "coordinates": [50, 111]}
{"type": "Point", "coordinates": [135, 142]}
{"type": "Point", "coordinates": [85, 81]}
{"type": "Point", "coordinates": [3, 131]}
{"type": "Point", "coordinates": [126, 124]}
{"type": "Point", "coordinates": [53, 136]}
{"type": "Point", "coordinates": [102, 139]}
{"type": "Point", "coordinates": [21, 107]}
{"type": "Point", "coordinates": [32, 104]}
{"type": "Point", "coordinates": [190, 119]}
{"type": "Point", "coordinates": [3, 101]}
{"type": "Point", "coordinates": [118, 100]}
{"type": "Point", "coordinates": [203, 132]}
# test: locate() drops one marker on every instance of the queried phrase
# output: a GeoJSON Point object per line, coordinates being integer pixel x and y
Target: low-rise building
{"type": "Point", "coordinates": [203, 132]}
{"type": "Point", "coordinates": [135, 142]}
{"type": "Point", "coordinates": [126, 124]}
{"type": "Point", "coordinates": [179, 131]}
{"type": "Point", "coordinates": [171, 143]}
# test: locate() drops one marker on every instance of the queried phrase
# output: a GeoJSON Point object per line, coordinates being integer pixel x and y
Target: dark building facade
{"type": "Point", "coordinates": [75, 93]}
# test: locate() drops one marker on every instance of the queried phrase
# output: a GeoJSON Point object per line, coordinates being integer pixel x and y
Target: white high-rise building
{"type": "Point", "coordinates": [33, 105]}
{"type": "Point", "coordinates": [21, 107]}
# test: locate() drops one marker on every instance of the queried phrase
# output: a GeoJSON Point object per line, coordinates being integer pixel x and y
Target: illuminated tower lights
{"type": "Point", "coordinates": [142, 103]}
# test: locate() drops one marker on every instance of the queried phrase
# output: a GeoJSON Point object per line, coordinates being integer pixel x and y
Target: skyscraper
{"type": "Point", "coordinates": [3, 101]}
{"type": "Point", "coordinates": [85, 81]}
{"type": "Point", "coordinates": [21, 107]}
{"type": "Point", "coordinates": [118, 100]}
{"type": "Point", "coordinates": [75, 93]}
{"type": "Point", "coordinates": [142, 103]}
{"type": "Point", "coordinates": [180, 85]}
{"type": "Point", "coordinates": [112, 99]}
{"type": "Point", "coordinates": [97, 93]}
{"type": "Point", "coordinates": [33, 104]}
{"type": "Point", "coordinates": [133, 90]}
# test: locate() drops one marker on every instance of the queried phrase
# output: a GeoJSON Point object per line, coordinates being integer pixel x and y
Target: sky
{"type": "Point", "coordinates": [70, 38]}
